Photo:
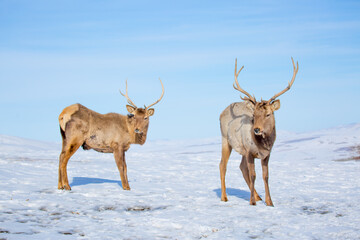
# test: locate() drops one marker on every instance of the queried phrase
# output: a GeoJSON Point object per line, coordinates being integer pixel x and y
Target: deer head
{"type": "Point", "coordinates": [264, 120]}
{"type": "Point", "coordinates": [138, 118]}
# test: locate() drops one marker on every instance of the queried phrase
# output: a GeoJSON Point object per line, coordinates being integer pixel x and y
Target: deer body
{"type": "Point", "coordinates": [101, 132]}
{"type": "Point", "coordinates": [248, 127]}
{"type": "Point", "coordinates": [106, 133]}
{"type": "Point", "coordinates": [236, 123]}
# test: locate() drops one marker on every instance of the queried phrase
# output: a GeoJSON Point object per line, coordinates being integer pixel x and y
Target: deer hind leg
{"type": "Point", "coordinates": [225, 154]}
{"type": "Point", "coordinates": [265, 170]}
{"type": "Point", "coordinates": [119, 156]}
{"type": "Point", "coordinates": [68, 149]}
{"type": "Point", "coordinates": [245, 171]}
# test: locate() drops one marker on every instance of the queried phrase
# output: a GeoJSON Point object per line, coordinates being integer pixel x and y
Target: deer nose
{"type": "Point", "coordinates": [257, 131]}
{"type": "Point", "coordinates": [137, 131]}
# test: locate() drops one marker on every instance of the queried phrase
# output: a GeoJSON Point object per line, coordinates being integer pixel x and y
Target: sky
{"type": "Point", "coordinates": [56, 53]}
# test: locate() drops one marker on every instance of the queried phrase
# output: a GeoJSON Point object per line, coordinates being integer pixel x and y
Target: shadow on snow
{"type": "Point", "coordinates": [234, 192]}
{"type": "Point", "coordinates": [79, 181]}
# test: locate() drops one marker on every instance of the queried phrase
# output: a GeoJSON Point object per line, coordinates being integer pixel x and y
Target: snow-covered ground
{"type": "Point", "coordinates": [175, 191]}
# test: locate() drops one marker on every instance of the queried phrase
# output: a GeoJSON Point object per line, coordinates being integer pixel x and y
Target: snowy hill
{"type": "Point", "coordinates": [175, 191]}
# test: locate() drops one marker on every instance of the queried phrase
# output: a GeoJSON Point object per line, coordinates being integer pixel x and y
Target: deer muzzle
{"type": "Point", "coordinates": [138, 132]}
{"type": "Point", "coordinates": [258, 132]}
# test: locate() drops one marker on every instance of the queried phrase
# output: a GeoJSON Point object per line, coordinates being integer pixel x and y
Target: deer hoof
{"type": "Point", "coordinates": [253, 203]}
{"type": "Point", "coordinates": [224, 199]}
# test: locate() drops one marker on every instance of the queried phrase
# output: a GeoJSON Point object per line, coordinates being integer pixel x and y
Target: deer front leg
{"type": "Point", "coordinates": [225, 154]}
{"type": "Point", "coordinates": [245, 171]}
{"type": "Point", "coordinates": [119, 155]}
{"type": "Point", "coordinates": [252, 175]}
{"type": "Point", "coordinates": [265, 170]}
{"type": "Point", "coordinates": [125, 172]}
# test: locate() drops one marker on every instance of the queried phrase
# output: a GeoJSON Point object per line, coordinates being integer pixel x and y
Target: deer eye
{"type": "Point", "coordinates": [146, 118]}
{"type": "Point", "coordinates": [268, 115]}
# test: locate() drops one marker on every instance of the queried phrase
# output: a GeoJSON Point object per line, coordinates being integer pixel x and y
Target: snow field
{"type": "Point", "coordinates": [175, 191]}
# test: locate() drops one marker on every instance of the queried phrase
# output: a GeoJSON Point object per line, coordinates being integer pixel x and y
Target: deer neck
{"type": "Point", "coordinates": [266, 143]}
{"type": "Point", "coordinates": [139, 139]}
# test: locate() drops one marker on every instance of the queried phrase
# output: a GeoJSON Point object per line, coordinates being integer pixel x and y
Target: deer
{"type": "Point", "coordinates": [248, 127]}
{"type": "Point", "coordinates": [105, 133]}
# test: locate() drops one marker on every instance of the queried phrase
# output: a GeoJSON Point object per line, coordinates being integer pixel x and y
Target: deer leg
{"type": "Point", "coordinates": [225, 154]}
{"type": "Point", "coordinates": [265, 170]}
{"type": "Point", "coordinates": [60, 186]}
{"type": "Point", "coordinates": [245, 171]}
{"type": "Point", "coordinates": [125, 172]}
{"type": "Point", "coordinates": [121, 164]}
{"type": "Point", "coordinates": [252, 175]}
{"type": "Point", "coordinates": [67, 151]}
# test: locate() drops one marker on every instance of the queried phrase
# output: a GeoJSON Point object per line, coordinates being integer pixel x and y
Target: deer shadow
{"type": "Point", "coordinates": [234, 192]}
{"type": "Point", "coordinates": [80, 181]}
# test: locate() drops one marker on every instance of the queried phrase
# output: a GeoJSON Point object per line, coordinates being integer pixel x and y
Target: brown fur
{"type": "Point", "coordinates": [107, 133]}
{"type": "Point", "coordinates": [249, 128]}
{"type": "Point", "coordinates": [65, 115]}
{"type": "Point", "coordinates": [238, 134]}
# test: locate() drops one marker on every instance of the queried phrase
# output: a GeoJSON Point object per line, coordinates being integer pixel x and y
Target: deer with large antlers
{"type": "Point", "coordinates": [107, 133]}
{"type": "Point", "coordinates": [248, 127]}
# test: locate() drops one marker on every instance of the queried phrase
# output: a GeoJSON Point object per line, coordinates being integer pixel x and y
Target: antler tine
{"type": "Point", "coordinates": [237, 86]}
{"type": "Point", "coordinates": [162, 94]}
{"type": "Point", "coordinates": [127, 96]}
{"type": "Point", "coordinates": [296, 69]}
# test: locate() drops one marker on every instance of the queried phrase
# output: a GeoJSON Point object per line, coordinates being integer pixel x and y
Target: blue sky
{"type": "Point", "coordinates": [56, 53]}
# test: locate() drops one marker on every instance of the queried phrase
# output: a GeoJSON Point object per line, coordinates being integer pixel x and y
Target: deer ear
{"type": "Point", "coordinates": [150, 112]}
{"type": "Point", "coordinates": [130, 109]}
{"type": "Point", "coordinates": [275, 105]}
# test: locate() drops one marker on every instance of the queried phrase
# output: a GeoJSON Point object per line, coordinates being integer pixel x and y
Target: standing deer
{"type": "Point", "coordinates": [248, 127]}
{"type": "Point", "coordinates": [107, 133]}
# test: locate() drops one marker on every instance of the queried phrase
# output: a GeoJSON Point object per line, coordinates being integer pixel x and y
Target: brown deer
{"type": "Point", "coordinates": [107, 133]}
{"type": "Point", "coordinates": [248, 127]}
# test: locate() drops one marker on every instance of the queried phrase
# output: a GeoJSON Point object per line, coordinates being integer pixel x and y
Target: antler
{"type": "Point", "coordinates": [162, 94]}
{"type": "Point", "coordinates": [237, 87]}
{"type": "Point", "coordinates": [127, 96]}
{"type": "Point", "coordinates": [290, 83]}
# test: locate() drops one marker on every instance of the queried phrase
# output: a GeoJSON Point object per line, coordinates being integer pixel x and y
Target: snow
{"type": "Point", "coordinates": [175, 191]}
